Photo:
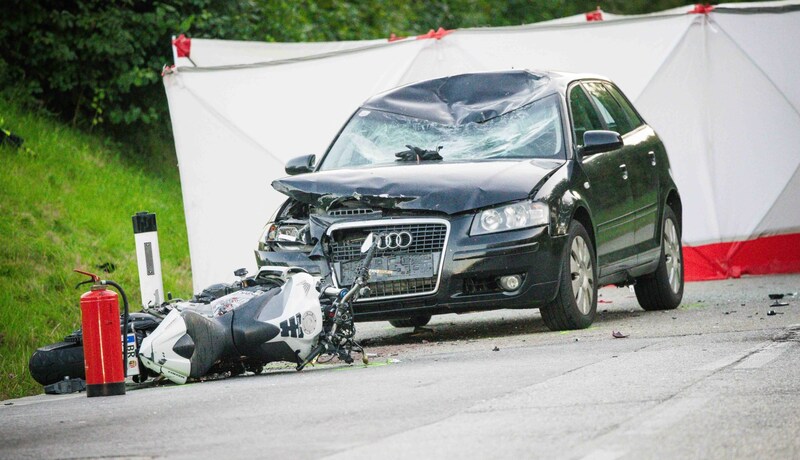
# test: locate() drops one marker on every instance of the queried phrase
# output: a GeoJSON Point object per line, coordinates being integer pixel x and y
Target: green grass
{"type": "Point", "coordinates": [66, 201]}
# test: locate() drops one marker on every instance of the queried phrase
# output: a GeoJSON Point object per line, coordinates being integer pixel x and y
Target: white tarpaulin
{"type": "Point", "coordinates": [717, 86]}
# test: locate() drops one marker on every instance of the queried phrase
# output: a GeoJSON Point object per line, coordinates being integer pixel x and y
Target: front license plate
{"type": "Point", "coordinates": [391, 268]}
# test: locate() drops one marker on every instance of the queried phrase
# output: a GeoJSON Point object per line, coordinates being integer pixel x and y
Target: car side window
{"type": "Point", "coordinates": [630, 112]}
{"type": "Point", "coordinates": [584, 116]}
{"type": "Point", "coordinates": [613, 114]}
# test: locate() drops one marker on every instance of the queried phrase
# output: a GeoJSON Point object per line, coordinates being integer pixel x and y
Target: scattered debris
{"type": "Point", "coordinates": [618, 335]}
{"type": "Point", "coordinates": [773, 313]}
{"type": "Point", "coordinates": [777, 300]}
{"type": "Point", "coordinates": [65, 386]}
{"type": "Point", "coordinates": [495, 348]}
{"type": "Point", "coordinates": [9, 138]}
{"type": "Point", "coordinates": [576, 339]}
{"type": "Point", "coordinates": [605, 301]}
{"type": "Point", "coordinates": [107, 267]}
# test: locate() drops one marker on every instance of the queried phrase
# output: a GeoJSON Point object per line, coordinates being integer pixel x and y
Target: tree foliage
{"type": "Point", "coordinates": [96, 62]}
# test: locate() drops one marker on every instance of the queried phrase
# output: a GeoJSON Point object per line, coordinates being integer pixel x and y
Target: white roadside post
{"type": "Point", "coordinates": [148, 257]}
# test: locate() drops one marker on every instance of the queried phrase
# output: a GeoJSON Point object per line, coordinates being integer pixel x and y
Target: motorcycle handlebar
{"type": "Point", "coordinates": [369, 256]}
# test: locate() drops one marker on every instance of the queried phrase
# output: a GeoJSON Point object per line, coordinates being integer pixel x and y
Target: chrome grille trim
{"type": "Point", "coordinates": [429, 244]}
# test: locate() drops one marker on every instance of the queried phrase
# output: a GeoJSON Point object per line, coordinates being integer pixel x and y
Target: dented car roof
{"type": "Point", "coordinates": [466, 98]}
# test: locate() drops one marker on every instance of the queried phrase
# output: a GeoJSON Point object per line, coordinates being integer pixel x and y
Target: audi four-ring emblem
{"type": "Point", "coordinates": [394, 240]}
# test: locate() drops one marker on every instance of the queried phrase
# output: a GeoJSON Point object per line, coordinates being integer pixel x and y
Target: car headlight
{"type": "Point", "coordinates": [514, 216]}
{"type": "Point", "coordinates": [288, 237]}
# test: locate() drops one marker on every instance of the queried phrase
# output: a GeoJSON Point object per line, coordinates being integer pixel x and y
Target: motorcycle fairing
{"type": "Point", "coordinates": [295, 301]}
{"type": "Point", "coordinates": [276, 325]}
{"type": "Point", "coordinates": [157, 353]}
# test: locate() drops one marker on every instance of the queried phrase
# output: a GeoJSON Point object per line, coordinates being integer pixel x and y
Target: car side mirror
{"type": "Point", "coordinates": [300, 165]}
{"type": "Point", "coordinates": [600, 141]}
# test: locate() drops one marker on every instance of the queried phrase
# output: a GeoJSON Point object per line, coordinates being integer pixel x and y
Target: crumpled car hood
{"type": "Point", "coordinates": [443, 187]}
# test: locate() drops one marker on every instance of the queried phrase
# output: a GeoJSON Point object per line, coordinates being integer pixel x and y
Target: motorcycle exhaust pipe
{"type": "Point", "coordinates": [148, 258]}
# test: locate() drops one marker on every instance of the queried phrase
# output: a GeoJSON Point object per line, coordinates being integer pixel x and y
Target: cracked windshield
{"type": "Point", "coordinates": [374, 138]}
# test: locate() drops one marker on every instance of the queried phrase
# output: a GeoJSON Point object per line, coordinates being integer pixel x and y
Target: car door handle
{"type": "Point", "coordinates": [652, 155]}
{"type": "Point", "coordinates": [624, 169]}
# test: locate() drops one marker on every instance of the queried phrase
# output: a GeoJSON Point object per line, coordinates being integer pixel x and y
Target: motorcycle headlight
{"type": "Point", "coordinates": [514, 216]}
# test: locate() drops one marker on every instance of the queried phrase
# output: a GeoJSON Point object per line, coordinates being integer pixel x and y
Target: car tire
{"type": "Point", "coordinates": [663, 289]}
{"type": "Point", "coordinates": [414, 321]}
{"type": "Point", "coordinates": [575, 304]}
{"type": "Point", "coordinates": [53, 363]}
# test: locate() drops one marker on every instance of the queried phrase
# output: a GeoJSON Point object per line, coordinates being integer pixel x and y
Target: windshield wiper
{"type": "Point", "coordinates": [417, 154]}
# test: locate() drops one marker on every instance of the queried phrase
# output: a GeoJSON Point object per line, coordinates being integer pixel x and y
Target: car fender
{"type": "Point", "coordinates": [564, 197]}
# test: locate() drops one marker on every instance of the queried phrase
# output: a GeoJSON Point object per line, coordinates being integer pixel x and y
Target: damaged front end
{"type": "Point", "coordinates": [433, 256]}
{"type": "Point", "coordinates": [325, 237]}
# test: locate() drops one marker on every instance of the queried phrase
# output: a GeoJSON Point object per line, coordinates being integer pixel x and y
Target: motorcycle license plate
{"type": "Point", "coordinates": [132, 362]}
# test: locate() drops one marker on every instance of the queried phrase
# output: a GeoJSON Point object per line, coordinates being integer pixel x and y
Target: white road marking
{"type": "Point", "coordinates": [730, 359]}
{"type": "Point", "coordinates": [662, 417]}
{"type": "Point", "coordinates": [667, 414]}
{"type": "Point", "coordinates": [604, 454]}
{"type": "Point", "coordinates": [765, 356]}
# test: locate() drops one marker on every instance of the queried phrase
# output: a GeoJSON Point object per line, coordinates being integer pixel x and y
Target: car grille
{"type": "Point", "coordinates": [352, 212]}
{"type": "Point", "coordinates": [428, 239]}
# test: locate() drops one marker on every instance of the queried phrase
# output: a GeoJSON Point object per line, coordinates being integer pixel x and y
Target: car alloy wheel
{"type": "Point", "coordinates": [582, 275]}
{"type": "Point", "coordinates": [672, 255]}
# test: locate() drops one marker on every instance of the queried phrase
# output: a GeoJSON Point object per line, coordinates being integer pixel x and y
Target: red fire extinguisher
{"type": "Point", "coordinates": [103, 354]}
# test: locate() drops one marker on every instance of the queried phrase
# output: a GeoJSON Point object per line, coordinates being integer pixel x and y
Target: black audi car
{"type": "Point", "coordinates": [512, 189]}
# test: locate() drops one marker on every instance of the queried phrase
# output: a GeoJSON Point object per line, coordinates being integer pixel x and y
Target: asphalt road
{"type": "Point", "coordinates": [716, 378]}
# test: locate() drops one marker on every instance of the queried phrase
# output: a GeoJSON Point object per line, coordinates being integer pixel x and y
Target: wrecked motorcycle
{"type": "Point", "coordinates": [298, 320]}
{"type": "Point", "coordinates": [280, 314]}
{"type": "Point", "coordinates": [53, 363]}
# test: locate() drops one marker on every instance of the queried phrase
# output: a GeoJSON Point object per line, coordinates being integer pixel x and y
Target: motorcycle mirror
{"type": "Point", "coordinates": [367, 243]}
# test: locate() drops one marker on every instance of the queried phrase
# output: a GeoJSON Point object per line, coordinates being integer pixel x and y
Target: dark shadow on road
{"type": "Point", "coordinates": [482, 329]}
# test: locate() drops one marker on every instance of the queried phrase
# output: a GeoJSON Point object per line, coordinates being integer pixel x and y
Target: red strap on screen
{"type": "Point", "coordinates": [183, 45]}
{"type": "Point", "coordinates": [596, 15]}
{"type": "Point", "coordinates": [702, 9]}
{"type": "Point", "coordinates": [438, 34]}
